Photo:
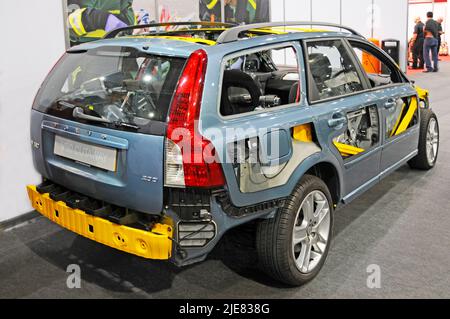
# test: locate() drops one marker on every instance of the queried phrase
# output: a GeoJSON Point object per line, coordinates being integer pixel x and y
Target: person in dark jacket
{"type": "Point", "coordinates": [236, 11]}
{"type": "Point", "coordinates": [431, 44]}
{"type": "Point", "coordinates": [417, 45]}
{"type": "Point", "coordinates": [210, 10]}
{"type": "Point", "coordinates": [252, 11]}
{"type": "Point", "coordinates": [91, 19]}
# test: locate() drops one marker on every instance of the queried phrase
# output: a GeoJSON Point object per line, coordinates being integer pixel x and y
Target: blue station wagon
{"type": "Point", "coordinates": [159, 143]}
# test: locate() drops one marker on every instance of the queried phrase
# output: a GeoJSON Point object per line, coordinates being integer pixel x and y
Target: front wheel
{"type": "Point", "coordinates": [428, 141]}
{"type": "Point", "coordinates": [292, 247]}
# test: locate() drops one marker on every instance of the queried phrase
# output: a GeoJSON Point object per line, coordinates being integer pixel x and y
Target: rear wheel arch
{"type": "Point", "coordinates": [329, 174]}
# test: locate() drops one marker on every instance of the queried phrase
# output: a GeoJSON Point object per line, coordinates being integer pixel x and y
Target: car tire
{"type": "Point", "coordinates": [280, 254]}
{"type": "Point", "coordinates": [428, 141]}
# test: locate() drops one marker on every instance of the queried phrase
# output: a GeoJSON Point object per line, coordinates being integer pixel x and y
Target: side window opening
{"type": "Point", "coordinates": [261, 80]}
{"type": "Point", "coordinates": [332, 72]}
{"type": "Point", "coordinates": [379, 71]}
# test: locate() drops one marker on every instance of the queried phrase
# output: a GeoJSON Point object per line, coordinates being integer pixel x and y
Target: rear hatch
{"type": "Point", "coordinates": [99, 121]}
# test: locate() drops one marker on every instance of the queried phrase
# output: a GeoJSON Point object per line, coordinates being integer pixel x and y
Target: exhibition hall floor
{"type": "Point", "coordinates": [402, 225]}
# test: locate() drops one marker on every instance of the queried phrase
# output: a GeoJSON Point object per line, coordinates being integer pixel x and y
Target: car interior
{"type": "Point", "coordinates": [379, 70]}
{"type": "Point", "coordinates": [255, 82]}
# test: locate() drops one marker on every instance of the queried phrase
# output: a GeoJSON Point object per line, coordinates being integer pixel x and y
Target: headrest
{"type": "Point", "coordinates": [238, 79]}
{"type": "Point", "coordinates": [320, 66]}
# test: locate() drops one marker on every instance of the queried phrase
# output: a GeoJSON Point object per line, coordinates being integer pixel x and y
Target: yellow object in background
{"type": "Point", "coordinates": [370, 63]}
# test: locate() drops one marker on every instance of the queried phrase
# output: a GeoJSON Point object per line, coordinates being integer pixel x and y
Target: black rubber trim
{"type": "Point", "coordinates": [224, 200]}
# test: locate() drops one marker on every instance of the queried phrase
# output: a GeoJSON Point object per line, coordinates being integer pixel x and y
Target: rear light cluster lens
{"type": "Point", "coordinates": [198, 166]}
{"type": "Point", "coordinates": [174, 172]}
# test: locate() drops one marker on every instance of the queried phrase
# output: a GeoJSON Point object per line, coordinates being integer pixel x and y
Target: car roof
{"type": "Point", "coordinates": [176, 43]}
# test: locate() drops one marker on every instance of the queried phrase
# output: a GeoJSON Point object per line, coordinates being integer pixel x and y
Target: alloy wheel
{"type": "Point", "coordinates": [311, 231]}
{"type": "Point", "coordinates": [432, 141]}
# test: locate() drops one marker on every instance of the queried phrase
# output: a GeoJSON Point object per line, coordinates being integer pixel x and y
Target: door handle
{"type": "Point", "coordinates": [389, 104]}
{"type": "Point", "coordinates": [337, 121]}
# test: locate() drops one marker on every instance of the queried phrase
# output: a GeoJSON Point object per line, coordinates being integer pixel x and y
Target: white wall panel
{"type": "Point", "coordinates": [357, 14]}
{"type": "Point", "coordinates": [326, 11]}
{"type": "Point", "coordinates": [391, 18]}
{"type": "Point", "coordinates": [25, 58]}
{"type": "Point", "coordinates": [297, 10]}
{"type": "Point", "coordinates": [441, 11]}
{"type": "Point", "coordinates": [277, 10]}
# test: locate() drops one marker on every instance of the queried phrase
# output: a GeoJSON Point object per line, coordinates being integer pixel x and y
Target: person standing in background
{"type": "Point", "coordinates": [431, 44]}
{"type": "Point", "coordinates": [441, 32]}
{"type": "Point", "coordinates": [417, 44]}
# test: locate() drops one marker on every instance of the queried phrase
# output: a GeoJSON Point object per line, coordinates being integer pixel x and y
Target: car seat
{"type": "Point", "coordinates": [294, 93]}
{"type": "Point", "coordinates": [320, 67]}
{"type": "Point", "coordinates": [237, 79]}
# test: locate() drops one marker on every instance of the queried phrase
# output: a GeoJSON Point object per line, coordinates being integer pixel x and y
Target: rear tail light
{"type": "Point", "coordinates": [198, 166]}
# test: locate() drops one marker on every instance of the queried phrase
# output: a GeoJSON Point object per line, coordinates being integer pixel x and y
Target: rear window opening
{"type": "Point", "coordinates": [114, 84]}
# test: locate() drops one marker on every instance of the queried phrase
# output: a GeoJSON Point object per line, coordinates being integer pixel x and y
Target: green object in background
{"type": "Point", "coordinates": [122, 9]}
{"type": "Point", "coordinates": [251, 9]}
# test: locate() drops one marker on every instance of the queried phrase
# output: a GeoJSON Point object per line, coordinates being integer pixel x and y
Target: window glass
{"type": "Point", "coordinates": [332, 70]}
{"type": "Point", "coordinates": [116, 84]}
{"type": "Point", "coordinates": [261, 80]}
{"type": "Point", "coordinates": [378, 72]}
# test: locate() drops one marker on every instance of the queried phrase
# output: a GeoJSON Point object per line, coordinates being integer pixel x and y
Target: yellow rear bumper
{"type": "Point", "coordinates": [154, 244]}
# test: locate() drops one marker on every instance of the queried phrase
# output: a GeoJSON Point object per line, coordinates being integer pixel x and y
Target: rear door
{"type": "Point", "coordinates": [99, 123]}
{"type": "Point", "coordinates": [398, 103]}
{"type": "Point", "coordinates": [352, 125]}
{"type": "Point", "coordinates": [261, 121]}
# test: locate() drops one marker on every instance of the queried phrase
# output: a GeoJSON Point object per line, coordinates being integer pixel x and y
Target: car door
{"type": "Point", "coordinates": [352, 125]}
{"type": "Point", "coordinates": [398, 102]}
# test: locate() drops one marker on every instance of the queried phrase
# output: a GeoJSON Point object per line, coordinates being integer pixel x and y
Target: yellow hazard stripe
{"type": "Point", "coordinates": [175, 38]}
{"type": "Point", "coordinates": [348, 150]}
{"type": "Point", "coordinates": [96, 34]}
{"type": "Point", "coordinates": [252, 3]}
{"type": "Point", "coordinates": [212, 4]}
{"type": "Point", "coordinates": [75, 20]}
{"type": "Point", "coordinates": [285, 30]}
{"type": "Point", "coordinates": [408, 117]}
{"type": "Point", "coordinates": [397, 123]}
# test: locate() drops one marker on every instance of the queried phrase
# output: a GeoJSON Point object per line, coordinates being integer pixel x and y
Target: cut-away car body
{"type": "Point", "coordinates": [158, 144]}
